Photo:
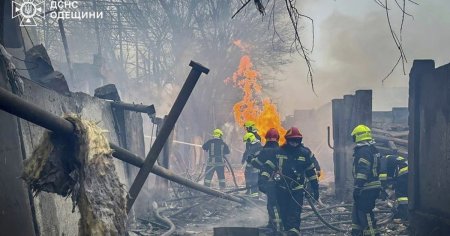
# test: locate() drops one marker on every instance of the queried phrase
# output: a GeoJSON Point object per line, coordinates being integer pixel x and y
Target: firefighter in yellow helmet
{"type": "Point", "coordinates": [252, 145]}
{"type": "Point", "coordinates": [367, 186]}
{"type": "Point", "coordinates": [217, 149]}
{"type": "Point", "coordinates": [250, 127]}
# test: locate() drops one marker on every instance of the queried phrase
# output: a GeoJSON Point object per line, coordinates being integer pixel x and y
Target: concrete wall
{"type": "Point", "coordinates": [346, 114]}
{"type": "Point", "coordinates": [313, 125]}
{"type": "Point", "coordinates": [16, 213]}
{"type": "Point", "coordinates": [53, 214]}
{"type": "Point", "coordinates": [379, 118]}
{"type": "Point", "coordinates": [429, 148]}
{"type": "Point", "coordinates": [398, 116]}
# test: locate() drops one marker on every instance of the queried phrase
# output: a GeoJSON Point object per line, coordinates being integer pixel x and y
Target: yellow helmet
{"type": "Point", "coordinates": [217, 133]}
{"type": "Point", "coordinates": [249, 124]}
{"type": "Point", "coordinates": [249, 137]}
{"type": "Point", "coordinates": [361, 133]}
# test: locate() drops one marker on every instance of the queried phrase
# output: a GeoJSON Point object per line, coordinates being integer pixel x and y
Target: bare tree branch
{"type": "Point", "coordinates": [240, 9]}
{"type": "Point", "coordinates": [397, 41]}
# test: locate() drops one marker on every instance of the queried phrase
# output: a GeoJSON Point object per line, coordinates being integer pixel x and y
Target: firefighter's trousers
{"type": "Point", "coordinates": [210, 169]}
{"type": "Point", "coordinates": [401, 193]}
{"type": "Point", "coordinates": [270, 189]}
{"type": "Point", "coordinates": [251, 180]}
{"type": "Point", "coordinates": [363, 218]}
{"type": "Point", "coordinates": [290, 203]}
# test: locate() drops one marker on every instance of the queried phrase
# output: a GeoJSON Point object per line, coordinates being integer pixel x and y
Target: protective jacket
{"type": "Point", "coordinates": [251, 173]}
{"type": "Point", "coordinates": [259, 158]}
{"type": "Point", "coordinates": [366, 166]}
{"type": "Point", "coordinates": [394, 172]}
{"type": "Point", "coordinates": [392, 168]}
{"type": "Point", "coordinates": [289, 168]}
{"type": "Point", "coordinates": [251, 149]}
{"type": "Point", "coordinates": [216, 149]}
{"type": "Point", "coordinates": [295, 164]}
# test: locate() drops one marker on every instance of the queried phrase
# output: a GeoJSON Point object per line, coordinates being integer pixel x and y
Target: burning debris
{"type": "Point", "coordinates": [81, 167]}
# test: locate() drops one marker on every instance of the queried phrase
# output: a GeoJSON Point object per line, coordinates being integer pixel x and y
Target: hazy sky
{"type": "Point", "coordinates": [354, 50]}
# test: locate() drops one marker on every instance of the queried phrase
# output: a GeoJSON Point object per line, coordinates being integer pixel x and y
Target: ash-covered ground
{"type": "Point", "coordinates": [193, 213]}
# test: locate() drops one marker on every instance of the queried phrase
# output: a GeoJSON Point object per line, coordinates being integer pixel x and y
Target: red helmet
{"type": "Point", "coordinates": [293, 133]}
{"type": "Point", "coordinates": [272, 133]}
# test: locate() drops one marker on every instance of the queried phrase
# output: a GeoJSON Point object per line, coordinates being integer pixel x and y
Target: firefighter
{"type": "Point", "coordinates": [250, 127]}
{"type": "Point", "coordinates": [394, 173]}
{"type": "Point", "coordinates": [366, 168]}
{"type": "Point", "coordinates": [253, 145]}
{"type": "Point", "coordinates": [267, 186]}
{"type": "Point", "coordinates": [217, 149]}
{"type": "Point", "coordinates": [290, 167]}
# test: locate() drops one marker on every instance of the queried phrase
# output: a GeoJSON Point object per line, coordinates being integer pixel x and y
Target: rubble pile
{"type": "Point", "coordinates": [392, 139]}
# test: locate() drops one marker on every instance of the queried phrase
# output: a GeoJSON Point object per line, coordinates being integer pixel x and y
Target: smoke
{"type": "Point", "coordinates": [355, 50]}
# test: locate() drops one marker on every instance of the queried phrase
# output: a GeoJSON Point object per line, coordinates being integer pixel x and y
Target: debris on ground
{"type": "Point", "coordinates": [197, 214]}
{"type": "Point", "coordinates": [82, 167]}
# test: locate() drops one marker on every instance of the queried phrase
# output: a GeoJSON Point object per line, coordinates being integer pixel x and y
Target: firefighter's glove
{"type": "Point", "coordinates": [250, 158]}
{"type": "Point", "coordinates": [356, 193]}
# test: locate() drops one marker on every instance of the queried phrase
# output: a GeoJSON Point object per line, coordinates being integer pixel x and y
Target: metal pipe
{"type": "Point", "coordinates": [329, 138]}
{"type": "Point", "coordinates": [166, 129]}
{"type": "Point", "coordinates": [150, 110]}
{"type": "Point", "coordinates": [19, 107]}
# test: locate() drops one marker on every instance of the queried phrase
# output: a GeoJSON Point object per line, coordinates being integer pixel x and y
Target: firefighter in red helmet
{"type": "Point", "coordinates": [290, 168]}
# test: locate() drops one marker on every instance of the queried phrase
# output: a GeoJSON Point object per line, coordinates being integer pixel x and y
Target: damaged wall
{"type": "Point", "coordinates": [397, 116]}
{"type": "Point", "coordinates": [53, 213]}
{"type": "Point", "coordinates": [313, 125]}
{"type": "Point", "coordinates": [16, 217]}
{"type": "Point", "coordinates": [347, 113]}
{"type": "Point", "coordinates": [429, 149]}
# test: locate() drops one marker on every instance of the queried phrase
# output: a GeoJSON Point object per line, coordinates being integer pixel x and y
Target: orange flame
{"type": "Point", "coordinates": [322, 175]}
{"type": "Point", "coordinates": [262, 111]}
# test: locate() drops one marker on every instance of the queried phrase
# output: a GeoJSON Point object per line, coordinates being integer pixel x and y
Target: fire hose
{"type": "Point", "coordinates": [316, 212]}
{"type": "Point", "coordinates": [331, 225]}
{"type": "Point", "coordinates": [164, 219]}
{"type": "Point", "coordinates": [228, 167]}
{"type": "Point", "coordinates": [382, 222]}
{"type": "Point", "coordinates": [232, 171]}
{"type": "Point", "coordinates": [322, 219]}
